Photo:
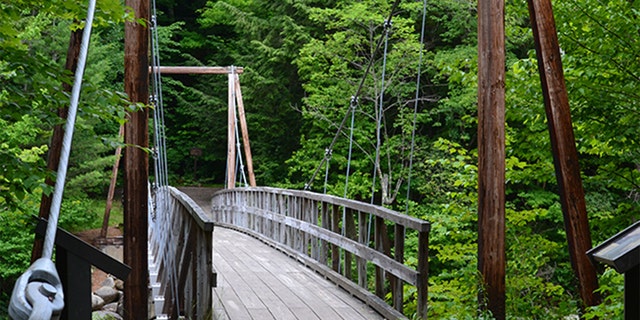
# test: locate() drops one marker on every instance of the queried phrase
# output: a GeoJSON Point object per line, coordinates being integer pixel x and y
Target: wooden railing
{"type": "Point", "coordinates": [180, 257]}
{"type": "Point", "coordinates": [333, 236]}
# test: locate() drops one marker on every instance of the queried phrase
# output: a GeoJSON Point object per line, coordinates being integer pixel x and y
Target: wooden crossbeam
{"type": "Point", "coordinates": [195, 70]}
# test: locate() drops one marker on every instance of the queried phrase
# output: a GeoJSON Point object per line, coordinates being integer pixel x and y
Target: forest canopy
{"type": "Point", "coordinates": [303, 61]}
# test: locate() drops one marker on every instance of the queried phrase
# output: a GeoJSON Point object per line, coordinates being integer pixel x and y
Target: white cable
{"type": "Point", "coordinates": [54, 214]}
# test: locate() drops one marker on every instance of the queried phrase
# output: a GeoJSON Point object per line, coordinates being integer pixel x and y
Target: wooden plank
{"type": "Point", "coordinates": [396, 284]}
{"type": "Point", "coordinates": [287, 288]}
{"type": "Point", "coordinates": [325, 223]}
{"type": "Point", "coordinates": [379, 230]}
{"type": "Point", "coordinates": [361, 264]}
{"type": "Point", "coordinates": [563, 145]}
{"type": "Point", "coordinates": [422, 284]}
{"type": "Point", "coordinates": [195, 70]}
{"type": "Point", "coordinates": [335, 228]}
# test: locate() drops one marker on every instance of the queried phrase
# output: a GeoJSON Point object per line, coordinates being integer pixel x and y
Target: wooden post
{"type": "Point", "coordinates": [423, 273]}
{"type": "Point", "coordinates": [245, 132]}
{"type": "Point", "coordinates": [565, 154]}
{"type": "Point", "coordinates": [231, 135]}
{"type": "Point", "coordinates": [195, 70]}
{"type": "Point", "coordinates": [112, 188]}
{"type": "Point", "coordinates": [136, 163]}
{"type": "Point", "coordinates": [55, 147]}
{"type": "Point", "coordinates": [632, 293]}
{"type": "Point", "coordinates": [491, 156]}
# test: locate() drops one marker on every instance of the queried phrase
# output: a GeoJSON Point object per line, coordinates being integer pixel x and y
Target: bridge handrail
{"type": "Point", "coordinates": [308, 225]}
{"type": "Point", "coordinates": [180, 242]}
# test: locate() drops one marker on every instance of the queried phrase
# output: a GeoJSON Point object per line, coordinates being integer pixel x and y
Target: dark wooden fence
{"type": "Point", "coordinates": [360, 247]}
{"type": "Point", "coordinates": [181, 256]}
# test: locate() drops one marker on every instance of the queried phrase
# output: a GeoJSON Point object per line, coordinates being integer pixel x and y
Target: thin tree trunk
{"type": "Point", "coordinates": [55, 147]}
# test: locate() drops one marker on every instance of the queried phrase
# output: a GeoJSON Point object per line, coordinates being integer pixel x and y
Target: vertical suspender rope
{"type": "Point", "coordinates": [54, 214]}
{"type": "Point", "coordinates": [379, 113]}
{"type": "Point", "coordinates": [352, 107]}
{"type": "Point", "coordinates": [415, 104]}
{"type": "Point", "coordinates": [240, 164]}
{"type": "Point", "coordinates": [162, 176]}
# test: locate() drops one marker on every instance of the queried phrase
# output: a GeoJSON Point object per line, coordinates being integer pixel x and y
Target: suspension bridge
{"type": "Point", "coordinates": [260, 252]}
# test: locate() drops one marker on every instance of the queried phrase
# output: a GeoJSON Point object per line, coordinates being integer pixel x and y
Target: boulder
{"type": "Point", "coordinates": [108, 294]}
{"type": "Point", "coordinates": [96, 302]}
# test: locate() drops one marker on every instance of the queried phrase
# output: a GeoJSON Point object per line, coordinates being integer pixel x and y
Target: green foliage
{"type": "Point", "coordinates": [303, 60]}
{"type": "Point", "coordinates": [612, 289]}
{"type": "Point", "coordinates": [34, 36]}
{"type": "Point", "coordinates": [77, 214]}
{"type": "Point", "coordinates": [16, 239]}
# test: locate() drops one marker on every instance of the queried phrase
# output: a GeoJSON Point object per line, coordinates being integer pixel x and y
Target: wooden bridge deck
{"type": "Point", "coordinates": [256, 281]}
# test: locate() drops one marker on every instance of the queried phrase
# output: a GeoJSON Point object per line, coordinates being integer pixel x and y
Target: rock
{"type": "Point", "coordinates": [119, 284]}
{"type": "Point", "coordinates": [108, 294]}
{"type": "Point", "coordinates": [105, 315]}
{"type": "Point", "coordinates": [108, 282]}
{"type": "Point", "coordinates": [96, 302]}
{"type": "Point", "coordinates": [111, 307]}
{"type": "Point", "coordinates": [121, 305]}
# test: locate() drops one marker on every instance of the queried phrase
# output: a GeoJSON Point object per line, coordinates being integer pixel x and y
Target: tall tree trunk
{"type": "Point", "coordinates": [55, 146]}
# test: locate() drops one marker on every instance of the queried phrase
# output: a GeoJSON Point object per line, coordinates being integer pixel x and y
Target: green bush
{"type": "Point", "coordinates": [80, 213]}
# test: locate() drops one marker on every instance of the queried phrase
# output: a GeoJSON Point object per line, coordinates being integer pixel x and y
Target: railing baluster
{"type": "Point", "coordinates": [313, 219]}
{"type": "Point", "coordinates": [423, 273]}
{"type": "Point", "coordinates": [361, 263]}
{"type": "Point", "coordinates": [351, 234]}
{"type": "Point", "coordinates": [335, 227]}
{"type": "Point", "coordinates": [379, 239]}
{"type": "Point", "coordinates": [326, 224]}
{"type": "Point", "coordinates": [397, 283]}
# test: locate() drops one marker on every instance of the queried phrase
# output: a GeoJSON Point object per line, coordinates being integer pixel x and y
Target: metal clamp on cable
{"type": "Point", "coordinates": [37, 295]}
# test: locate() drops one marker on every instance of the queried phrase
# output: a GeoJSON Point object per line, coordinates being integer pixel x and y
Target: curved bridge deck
{"type": "Point", "coordinates": [256, 281]}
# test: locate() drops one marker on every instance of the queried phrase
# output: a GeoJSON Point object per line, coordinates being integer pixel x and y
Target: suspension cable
{"type": "Point", "coordinates": [415, 104]}
{"type": "Point", "coordinates": [161, 166]}
{"type": "Point", "coordinates": [61, 174]}
{"type": "Point", "coordinates": [352, 107]}
{"type": "Point", "coordinates": [307, 185]}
